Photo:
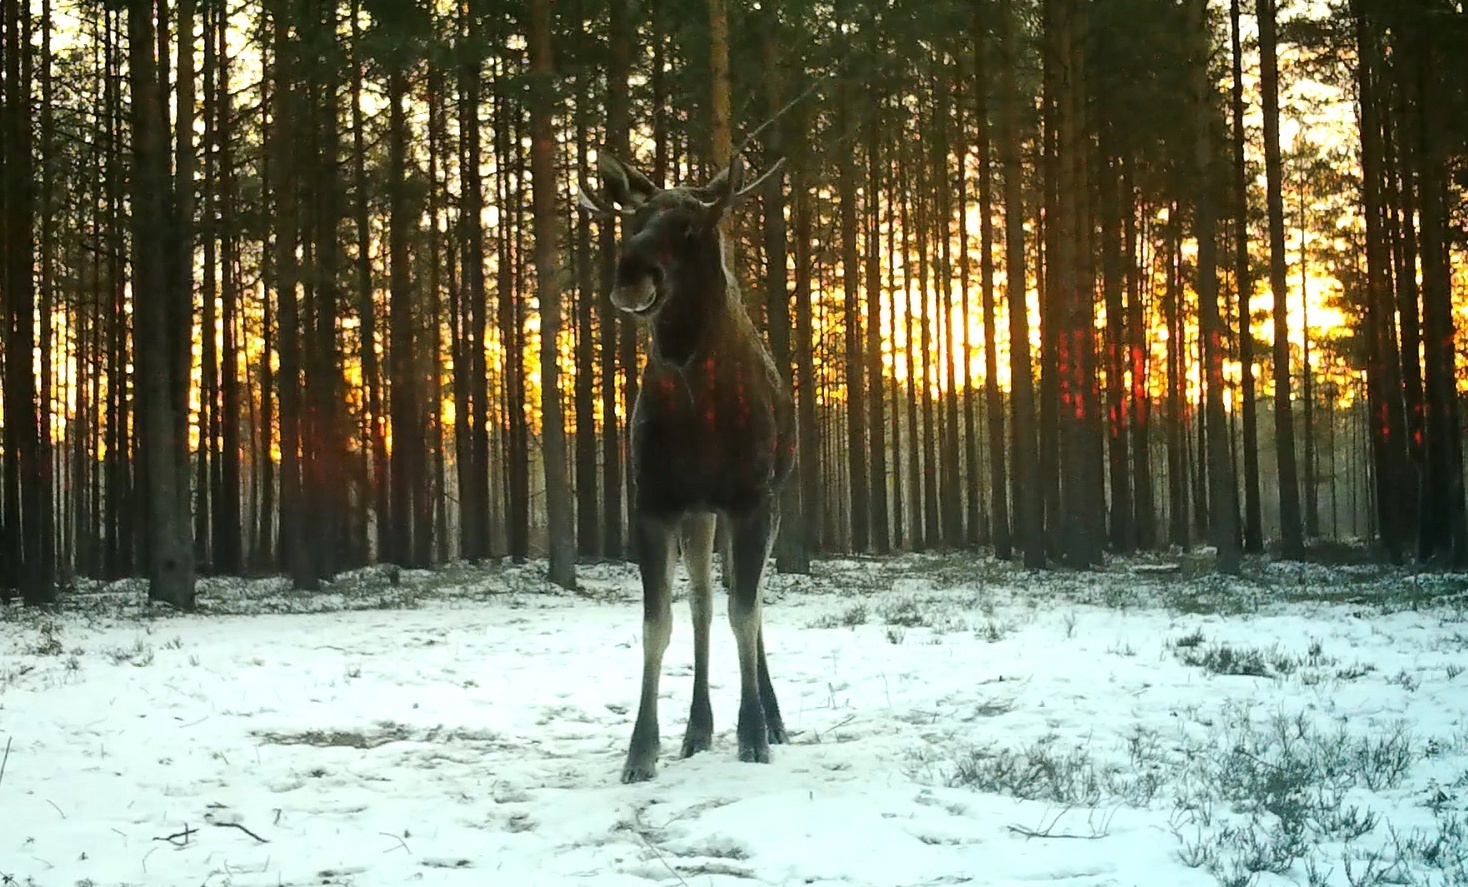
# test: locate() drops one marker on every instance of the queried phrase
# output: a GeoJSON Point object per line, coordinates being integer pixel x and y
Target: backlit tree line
{"type": "Point", "coordinates": [301, 285]}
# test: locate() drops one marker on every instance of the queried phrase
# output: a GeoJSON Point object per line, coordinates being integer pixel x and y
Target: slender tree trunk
{"type": "Point", "coordinates": [881, 538]}
{"type": "Point", "coordinates": [1029, 533]}
{"type": "Point", "coordinates": [228, 522]}
{"type": "Point", "coordinates": [805, 389]}
{"type": "Point", "coordinates": [1253, 509]}
{"type": "Point", "coordinates": [1292, 531]}
{"type": "Point", "coordinates": [1177, 469]}
{"type": "Point", "coordinates": [27, 478]}
{"type": "Point", "coordinates": [791, 554]}
{"type": "Point", "coordinates": [993, 402]}
{"type": "Point", "coordinates": [952, 483]}
{"type": "Point", "coordinates": [621, 33]}
{"type": "Point", "coordinates": [1222, 492]}
{"type": "Point", "coordinates": [1443, 531]}
{"type": "Point", "coordinates": [543, 184]}
{"type": "Point", "coordinates": [588, 517]}
{"type": "Point", "coordinates": [852, 323]}
{"type": "Point", "coordinates": [472, 377]}
{"type": "Point", "coordinates": [171, 555]}
{"type": "Point", "coordinates": [1383, 374]}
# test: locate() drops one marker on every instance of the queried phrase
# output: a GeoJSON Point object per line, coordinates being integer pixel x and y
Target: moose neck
{"type": "Point", "coordinates": [699, 307]}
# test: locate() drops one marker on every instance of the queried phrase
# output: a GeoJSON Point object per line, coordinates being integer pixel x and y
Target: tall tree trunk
{"type": "Point", "coordinates": [620, 35]}
{"type": "Point", "coordinates": [403, 462]}
{"type": "Point", "coordinates": [1383, 374]}
{"type": "Point", "coordinates": [588, 517]}
{"type": "Point", "coordinates": [993, 402]}
{"type": "Point", "coordinates": [1074, 311]}
{"type": "Point", "coordinates": [1177, 469]}
{"type": "Point", "coordinates": [1243, 277]}
{"type": "Point", "coordinates": [1222, 492]}
{"type": "Point", "coordinates": [375, 453]}
{"type": "Point", "coordinates": [562, 541]}
{"type": "Point", "coordinates": [1113, 283]}
{"type": "Point", "coordinates": [791, 553]}
{"type": "Point", "coordinates": [852, 324]}
{"type": "Point", "coordinates": [26, 511]}
{"type": "Point", "coordinates": [952, 485]}
{"type": "Point", "coordinates": [1292, 531]}
{"type": "Point", "coordinates": [228, 523]}
{"type": "Point", "coordinates": [881, 538]}
{"type": "Point", "coordinates": [472, 377]}
{"type": "Point", "coordinates": [1443, 530]}
{"type": "Point", "coordinates": [805, 389]}
{"type": "Point", "coordinates": [1029, 530]}
{"type": "Point", "coordinates": [288, 164]}
{"type": "Point", "coordinates": [157, 293]}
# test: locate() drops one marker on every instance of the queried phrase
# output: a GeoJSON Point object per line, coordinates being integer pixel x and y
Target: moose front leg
{"type": "Point", "coordinates": [698, 553]}
{"type": "Point", "coordinates": [657, 553]}
{"type": "Point", "coordinates": [750, 535]}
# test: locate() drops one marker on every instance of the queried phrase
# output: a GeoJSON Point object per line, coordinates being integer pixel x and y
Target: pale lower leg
{"type": "Point", "coordinates": [657, 627]}
{"type": "Point", "coordinates": [698, 538]}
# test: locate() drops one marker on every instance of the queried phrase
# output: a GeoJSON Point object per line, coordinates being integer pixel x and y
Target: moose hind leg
{"type": "Point", "coordinates": [698, 550]}
{"type": "Point", "coordinates": [657, 553]}
{"type": "Point", "coordinates": [749, 543]}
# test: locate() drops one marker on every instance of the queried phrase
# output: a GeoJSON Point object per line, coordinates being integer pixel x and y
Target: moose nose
{"type": "Point", "coordinates": [636, 286]}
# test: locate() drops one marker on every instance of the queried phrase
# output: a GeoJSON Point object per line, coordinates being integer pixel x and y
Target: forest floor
{"type": "Point", "coordinates": [953, 720]}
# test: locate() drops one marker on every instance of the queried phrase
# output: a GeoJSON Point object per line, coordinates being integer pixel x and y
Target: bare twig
{"type": "Point", "coordinates": [1048, 831]}
{"type": "Point", "coordinates": [180, 839]}
{"type": "Point", "coordinates": [665, 863]}
{"type": "Point", "coordinates": [1028, 832]}
{"type": "Point", "coordinates": [400, 841]}
{"type": "Point", "coordinates": [243, 829]}
{"type": "Point", "coordinates": [5, 760]}
{"type": "Point", "coordinates": [57, 809]}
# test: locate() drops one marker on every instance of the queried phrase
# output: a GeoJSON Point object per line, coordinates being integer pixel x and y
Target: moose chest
{"type": "Point", "coordinates": [712, 437]}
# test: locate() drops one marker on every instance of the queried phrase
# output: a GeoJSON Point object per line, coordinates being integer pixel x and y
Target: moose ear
{"type": "Point", "coordinates": [721, 189]}
{"type": "Point", "coordinates": [625, 186]}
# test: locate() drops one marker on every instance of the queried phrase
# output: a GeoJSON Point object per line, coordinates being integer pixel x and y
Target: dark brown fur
{"type": "Point", "coordinates": [713, 434]}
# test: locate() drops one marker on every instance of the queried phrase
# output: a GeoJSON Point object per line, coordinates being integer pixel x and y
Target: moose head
{"type": "Point", "coordinates": [671, 248]}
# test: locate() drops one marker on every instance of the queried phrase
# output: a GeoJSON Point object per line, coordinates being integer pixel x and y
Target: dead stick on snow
{"type": "Point", "coordinates": [243, 829]}
{"type": "Point", "coordinates": [399, 840]}
{"type": "Point", "coordinates": [5, 760]}
{"type": "Point", "coordinates": [188, 832]}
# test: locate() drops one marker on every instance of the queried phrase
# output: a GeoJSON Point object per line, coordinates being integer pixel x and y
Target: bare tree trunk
{"type": "Point", "coordinates": [993, 402]}
{"type": "Point", "coordinates": [1222, 492]}
{"type": "Point", "coordinates": [171, 556]}
{"type": "Point", "coordinates": [1253, 509]}
{"type": "Point", "coordinates": [1029, 530]}
{"type": "Point", "coordinates": [621, 33]}
{"type": "Point", "coordinates": [852, 324]}
{"type": "Point", "coordinates": [543, 183]}
{"type": "Point", "coordinates": [1292, 531]}
{"type": "Point", "coordinates": [588, 516]}
{"type": "Point", "coordinates": [877, 482]}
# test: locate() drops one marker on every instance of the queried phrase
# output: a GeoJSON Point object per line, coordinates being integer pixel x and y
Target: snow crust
{"type": "Point", "coordinates": [472, 732]}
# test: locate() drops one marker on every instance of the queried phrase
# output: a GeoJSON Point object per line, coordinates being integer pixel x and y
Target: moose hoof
{"type": "Point", "coordinates": [754, 753]}
{"type": "Point", "coordinates": [778, 735]}
{"type": "Point", "coordinates": [693, 743]}
{"type": "Point", "coordinates": [642, 764]}
{"type": "Point", "coordinates": [639, 772]}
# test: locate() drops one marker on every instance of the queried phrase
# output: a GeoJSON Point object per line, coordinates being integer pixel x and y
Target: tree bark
{"type": "Point", "coordinates": [1292, 531]}
{"type": "Point", "coordinates": [156, 294]}
{"type": "Point", "coordinates": [562, 544]}
{"type": "Point", "coordinates": [1029, 532]}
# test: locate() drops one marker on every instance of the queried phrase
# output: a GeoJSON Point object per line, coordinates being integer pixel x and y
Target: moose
{"type": "Point", "coordinates": [712, 438]}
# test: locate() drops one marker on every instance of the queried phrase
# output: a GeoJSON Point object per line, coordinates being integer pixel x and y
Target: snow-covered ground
{"type": "Point", "coordinates": [953, 721]}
